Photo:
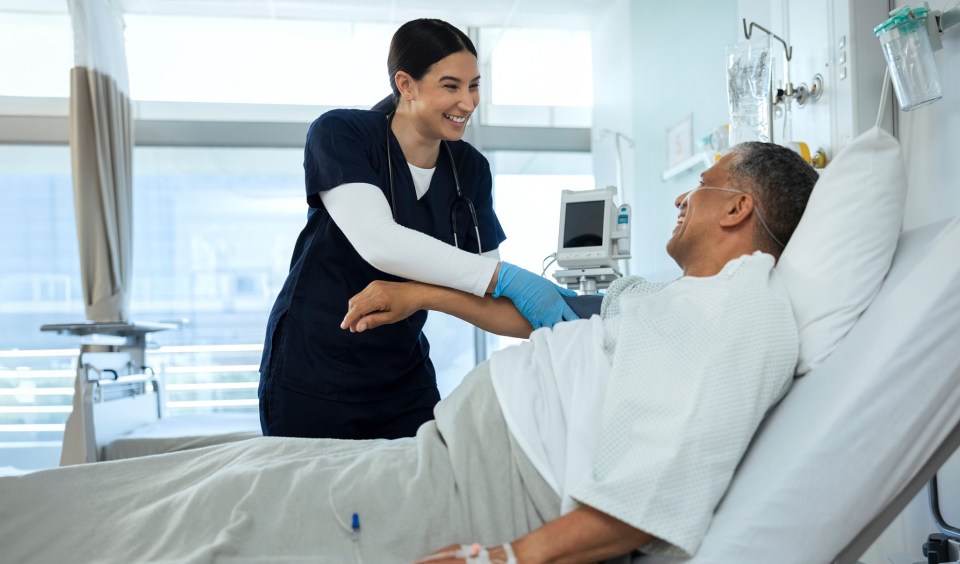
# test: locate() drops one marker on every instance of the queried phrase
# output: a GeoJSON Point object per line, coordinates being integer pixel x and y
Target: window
{"type": "Point", "coordinates": [540, 67]}
{"type": "Point", "coordinates": [37, 49]}
{"type": "Point", "coordinates": [257, 61]}
{"type": "Point", "coordinates": [537, 77]}
{"type": "Point", "coordinates": [39, 283]}
{"type": "Point", "coordinates": [214, 229]}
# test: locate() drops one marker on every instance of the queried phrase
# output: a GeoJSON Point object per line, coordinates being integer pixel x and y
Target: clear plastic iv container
{"type": "Point", "coordinates": [748, 91]}
{"type": "Point", "coordinates": [906, 47]}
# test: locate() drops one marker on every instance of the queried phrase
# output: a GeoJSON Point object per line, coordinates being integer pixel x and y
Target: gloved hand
{"type": "Point", "coordinates": [538, 299]}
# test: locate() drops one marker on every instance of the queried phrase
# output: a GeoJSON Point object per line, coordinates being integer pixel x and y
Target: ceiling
{"type": "Point", "coordinates": [575, 14]}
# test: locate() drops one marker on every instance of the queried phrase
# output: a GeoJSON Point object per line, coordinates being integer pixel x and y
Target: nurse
{"type": "Point", "coordinates": [394, 194]}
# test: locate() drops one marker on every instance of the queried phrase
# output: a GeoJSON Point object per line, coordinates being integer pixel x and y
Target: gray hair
{"type": "Point", "coordinates": [781, 181]}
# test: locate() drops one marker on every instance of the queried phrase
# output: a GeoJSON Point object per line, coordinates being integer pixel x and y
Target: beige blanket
{"type": "Point", "coordinates": [461, 479]}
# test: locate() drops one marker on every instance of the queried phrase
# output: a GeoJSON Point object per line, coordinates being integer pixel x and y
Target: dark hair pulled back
{"type": "Point", "coordinates": [415, 47]}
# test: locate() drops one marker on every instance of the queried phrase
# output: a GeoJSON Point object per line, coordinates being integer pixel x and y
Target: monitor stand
{"type": "Point", "coordinates": [587, 280]}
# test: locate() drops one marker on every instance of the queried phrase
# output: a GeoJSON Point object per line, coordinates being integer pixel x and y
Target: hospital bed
{"type": "Point", "coordinates": [856, 438]}
{"type": "Point", "coordinates": [859, 436]}
{"type": "Point", "coordinates": [124, 419]}
{"type": "Point", "coordinates": [118, 401]}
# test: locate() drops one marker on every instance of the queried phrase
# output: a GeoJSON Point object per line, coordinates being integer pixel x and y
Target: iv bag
{"type": "Point", "coordinates": [749, 90]}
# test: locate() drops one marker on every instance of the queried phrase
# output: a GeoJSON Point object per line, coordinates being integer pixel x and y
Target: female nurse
{"type": "Point", "coordinates": [393, 194]}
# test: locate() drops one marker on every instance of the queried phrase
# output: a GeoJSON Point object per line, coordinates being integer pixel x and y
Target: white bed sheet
{"type": "Point", "coordinates": [851, 434]}
{"type": "Point", "coordinates": [172, 434]}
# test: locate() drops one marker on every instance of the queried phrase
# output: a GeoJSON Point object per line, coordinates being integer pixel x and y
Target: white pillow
{"type": "Point", "coordinates": [841, 250]}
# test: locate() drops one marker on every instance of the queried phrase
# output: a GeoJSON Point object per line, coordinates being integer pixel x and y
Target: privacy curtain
{"type": "Point", "coordinates": [101, 149]}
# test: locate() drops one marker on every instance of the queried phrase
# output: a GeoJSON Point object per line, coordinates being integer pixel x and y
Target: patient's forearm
{"type": "Point", "coordinates": [382, 303]}
{"type": "Point", "coordinates": [583, 535]}
{"type": "Point", "coordinates": [496, 315]}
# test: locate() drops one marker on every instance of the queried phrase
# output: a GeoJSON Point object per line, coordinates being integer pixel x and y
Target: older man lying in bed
{"type": "Point", "coordinates": [597, 437]}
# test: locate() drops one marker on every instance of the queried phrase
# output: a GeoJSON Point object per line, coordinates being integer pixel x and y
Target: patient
{"type": "Point", "coordinates": [726, 320]}
{"type": "Point", "coordinates": [596, 438]}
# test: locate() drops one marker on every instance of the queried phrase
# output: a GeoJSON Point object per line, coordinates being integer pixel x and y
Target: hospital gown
{"type": "Point", "coordinates": [696, 366]}
{"type": "Point", "coordinates": [674, 380]}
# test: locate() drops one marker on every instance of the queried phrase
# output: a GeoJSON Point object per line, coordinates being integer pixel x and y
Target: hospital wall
{"type": "Point", "coordinates": [677, 73]}
{"type": "Point", "coordinates": [613, 106]}
{"type": "Point", "coordinates": [931, 139]}
{"type": "Point", "coordinates": [676, 69]}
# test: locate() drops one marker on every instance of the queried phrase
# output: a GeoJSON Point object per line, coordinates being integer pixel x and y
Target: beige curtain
{"type": "Point", "coordinates": [101, 148]}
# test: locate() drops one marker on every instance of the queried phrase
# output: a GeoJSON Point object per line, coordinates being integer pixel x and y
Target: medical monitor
{"type": "Point", "coordinates": [586, 224]}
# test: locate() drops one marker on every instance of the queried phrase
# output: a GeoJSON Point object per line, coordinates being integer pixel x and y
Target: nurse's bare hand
{"type": "Point", "coordinates": [381, 303]}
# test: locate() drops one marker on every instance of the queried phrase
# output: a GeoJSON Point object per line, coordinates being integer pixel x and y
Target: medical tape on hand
{"type": "Point", "coordinates": [476, 554]}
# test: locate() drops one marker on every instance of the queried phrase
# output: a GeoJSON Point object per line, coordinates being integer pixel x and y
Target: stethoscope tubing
{"type": "Point", "coordinates": [460, 199]}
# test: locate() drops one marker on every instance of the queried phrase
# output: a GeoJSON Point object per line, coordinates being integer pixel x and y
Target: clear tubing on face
{"type": "Point", "coordinates": [685, 203]}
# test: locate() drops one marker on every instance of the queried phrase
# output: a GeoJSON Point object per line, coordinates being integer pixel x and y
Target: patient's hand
{"type": "Point", "coordinates": [382, 303]}
{"type": "Point", "coordinates": [464, 554]}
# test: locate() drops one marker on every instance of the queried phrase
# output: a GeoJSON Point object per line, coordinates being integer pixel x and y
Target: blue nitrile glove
{"type": "Point", "coordinates": [538, 299]}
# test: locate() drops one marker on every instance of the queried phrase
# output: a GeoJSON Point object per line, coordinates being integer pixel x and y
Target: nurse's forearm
{"type": "Point", "coordinates": [493, 281]}
{"type": "Point", "coordinates": [363, 215]}
{"type": "Point", "coordinates": [495, 315]}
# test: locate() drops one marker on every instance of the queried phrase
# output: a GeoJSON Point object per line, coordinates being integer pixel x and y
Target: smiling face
{"type": "Point", "coordinates": [699, 213]}
{"type": "Point", "coordinates": [442, 102]}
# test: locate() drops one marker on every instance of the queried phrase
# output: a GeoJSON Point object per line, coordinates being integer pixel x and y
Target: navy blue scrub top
{"type": "Point", "coordinates": [305, 350]}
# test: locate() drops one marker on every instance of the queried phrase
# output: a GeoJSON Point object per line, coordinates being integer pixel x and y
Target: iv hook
{"type": "Point", "coordinates": [749, 31]}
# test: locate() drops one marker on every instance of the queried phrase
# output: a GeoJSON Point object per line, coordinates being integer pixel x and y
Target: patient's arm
{"type": "Point", "coordinates": [382, 303]}
{"type": "Point", "coordinates": [583, 535]}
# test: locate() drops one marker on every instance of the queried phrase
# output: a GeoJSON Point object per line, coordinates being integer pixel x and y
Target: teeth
{"type": "Point", "coordinates": [456, 119]}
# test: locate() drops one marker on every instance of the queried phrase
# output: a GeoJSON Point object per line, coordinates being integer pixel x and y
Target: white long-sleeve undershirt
{"type": "Point", "coordinates": [361, 211]}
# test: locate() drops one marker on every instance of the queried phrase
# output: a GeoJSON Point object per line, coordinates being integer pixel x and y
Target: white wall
{"type": "Point", "coordinates": [833, 39]}
{"type": "Point", "coordinates": [612, 95]}
{"type": "Point", "coordinates": [931, 140]}
{"type": "Point", "coordinates": [678, 70]}
{"type": "Point", "coordinates": [612, 103]}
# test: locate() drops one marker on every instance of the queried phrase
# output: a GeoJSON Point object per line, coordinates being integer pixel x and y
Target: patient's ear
{"type": "Point", "coordinates": [738, 209]}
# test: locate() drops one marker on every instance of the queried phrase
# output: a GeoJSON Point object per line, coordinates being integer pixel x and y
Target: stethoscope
{"type": "Point", "coordinates": [459, 201]}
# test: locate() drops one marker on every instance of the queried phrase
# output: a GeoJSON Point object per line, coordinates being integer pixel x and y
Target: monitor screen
{"type": "Point", "coordinates": [583, 224]}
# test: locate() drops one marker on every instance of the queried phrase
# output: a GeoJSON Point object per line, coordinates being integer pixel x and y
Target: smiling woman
{"type": "Point", "coordinates": [395, 194]}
